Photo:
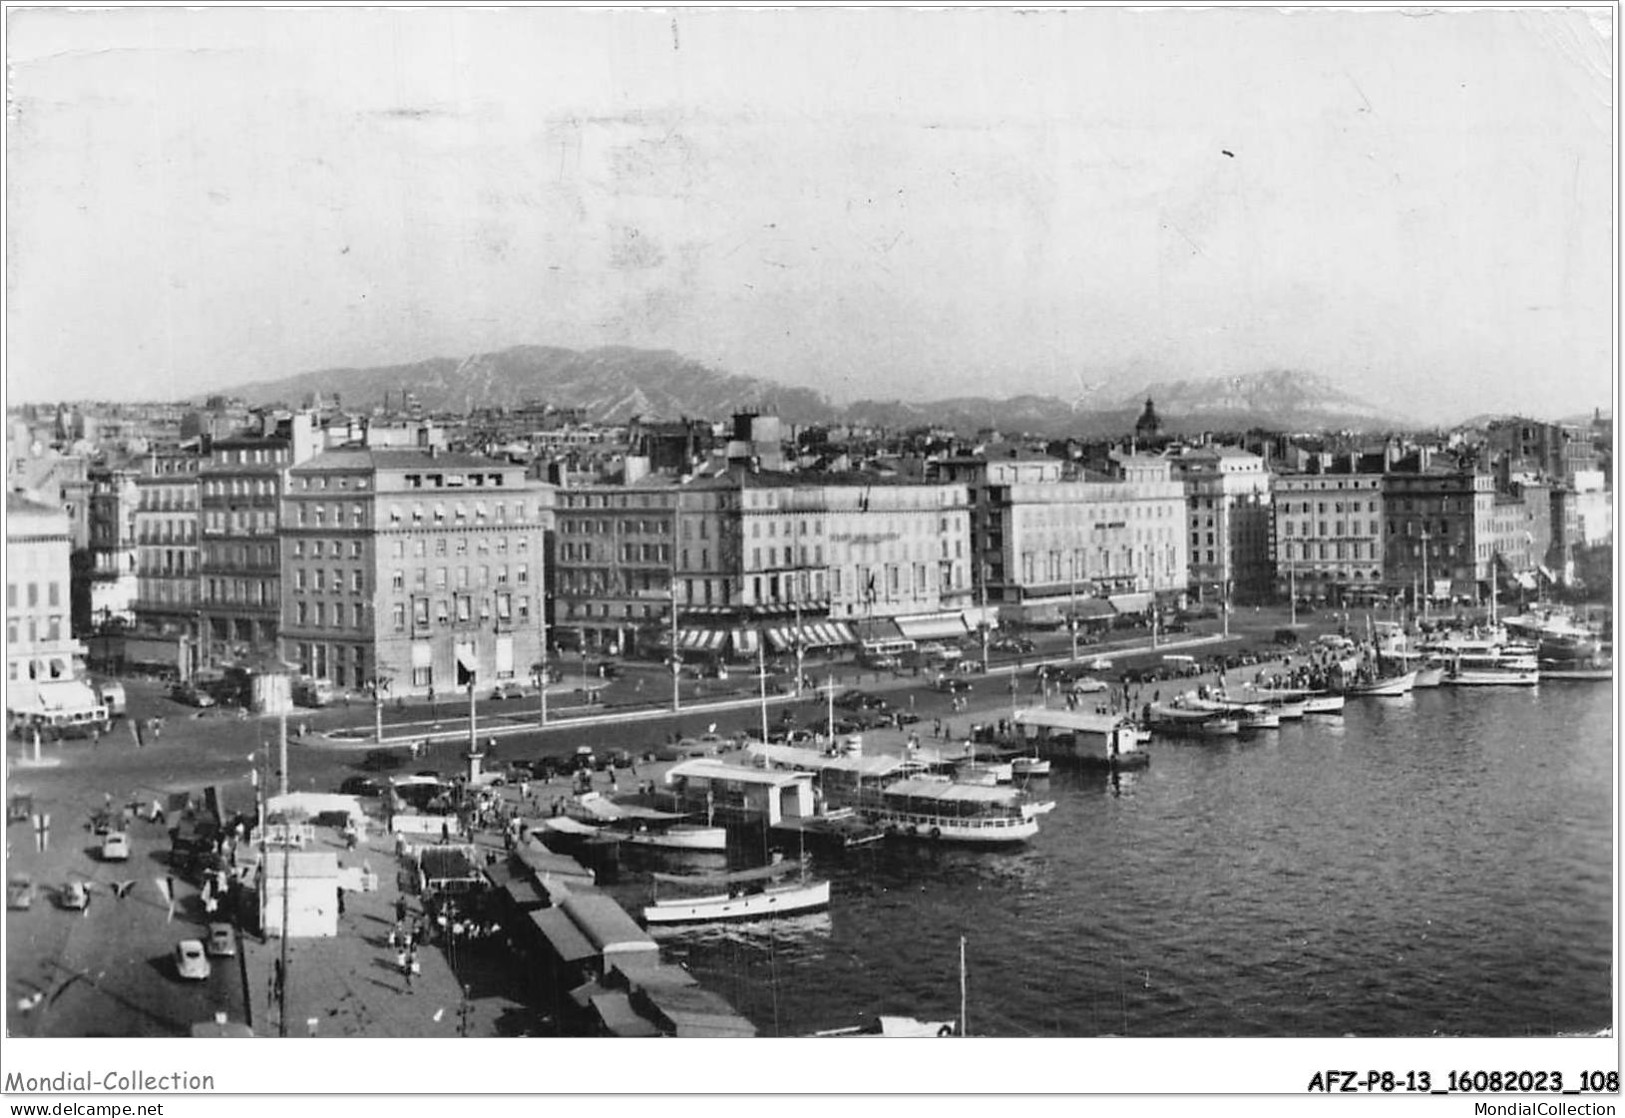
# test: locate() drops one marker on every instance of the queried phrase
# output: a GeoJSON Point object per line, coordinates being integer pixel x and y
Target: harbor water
{"type": "Point", "coordinates": [1439, 864]}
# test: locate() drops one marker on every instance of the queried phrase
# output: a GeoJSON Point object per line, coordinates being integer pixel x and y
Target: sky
{"type": "Point", "coordinates": [883, 203]}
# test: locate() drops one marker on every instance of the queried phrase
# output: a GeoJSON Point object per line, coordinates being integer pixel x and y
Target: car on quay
{"type": "Point", "coordinates": [502, 692]}
{"type": "Point", "coordinates": [191, 695]}
{"type": "Point", "coordinates": [74, 896]}
{"type": "Point", "coordinates": [380, 760]}
{"type": "Point", "coordinates": [361, 786]}
{"type": "Point", "coordinates": [191, 963]}
{"type": "Point", "coordinates": [861, 700]}
{"type": "Point", "coordinates": [20, 892]}
{"type": "Point", "coordinates": [951, 686]}
{"type": "Point", "coordinates": [1019, 645]}
{"type": "Point", "coordinates": [222, 942]}
{"type": "Point", "coordinates": [116, 847]}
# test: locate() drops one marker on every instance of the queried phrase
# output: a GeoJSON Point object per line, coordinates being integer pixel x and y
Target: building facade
{"type": "Point", "coordinates": [167, 567]}
{"type": "Point", "coordinates": [613, 559]}
{"type": "Point", "coordinates": [413, 567]}
{"type": "Point", "coordinates": [1231, 524]}
{"type": "Point", "coordinates": [1330, 543]}
{"type": "Point", "coordinates": [1440, 535]}
{"type": "Point", "coordinates": [40, 646]}
{"type": "Point", "coordinates": [112, 583]}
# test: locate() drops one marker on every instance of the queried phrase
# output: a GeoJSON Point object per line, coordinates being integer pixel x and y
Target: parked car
{"type": "Point", "coordinates": [1286, 636]}
{"type": "Point", "coordinates": [74, 896]}
{"type": "Point", "coordinates": [1012, 644]}
{"type": "Point", "coordinates": [905, 717]}
{"type": "Point", "coordinates": [1088, 684]}
{"type": "Point", "coordinates": [313, 692]}
{"type": "Point", "coordinates": [116, 847]}
{"type": "Point", "coordinates": [380, 760]}
{"type": "Point", "coordinates": [190, 695]}
{"type": "Point", "coordinates": [190, 961]}
{"type": "Point", "coordinates": [951, 686]}
{"type": "Point", "coordinates": [361, 786]}
{"type": "Point", "coordinates": [20, 892]}
{"type": "Point", "coordinates": [505, 691]}
{"type": "Point", "coordinates": [222, 941]}
{"type": "Point", "coordinates": [113, 698]}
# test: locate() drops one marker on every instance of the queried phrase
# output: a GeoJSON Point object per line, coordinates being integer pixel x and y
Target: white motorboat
{"type": "Point", "coordinates": [744, 895]}
{"type": "Point", "coordinates": [1179, 720]}
{"type": "Point", "coordinates": [1386, 687]}
{"type": "Point", "coordinates": [1322, 702]}
{"type": "Point", "coordinates": [1496, 668]}
{"type": "Point", "coordinates": [1029, 766]}
{"type": "Point", "coordinates": [676, 836]}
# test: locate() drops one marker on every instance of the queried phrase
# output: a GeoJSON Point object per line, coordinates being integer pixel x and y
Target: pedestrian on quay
{"type": "Point", "coordinates": [340, 893]}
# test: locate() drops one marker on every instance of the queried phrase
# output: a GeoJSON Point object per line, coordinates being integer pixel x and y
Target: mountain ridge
{"type": "Point", "coordinates": [612, 384]}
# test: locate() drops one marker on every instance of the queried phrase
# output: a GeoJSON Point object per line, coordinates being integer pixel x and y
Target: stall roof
{"type": "Point", "coordinates": [615, 1010]}
{"type": "Point", "coordinates": [543, 863]}
{"type": "Point", "coordinates": [932, 626]}
{"type": "Point", "coordinates": [1075, 720]}
{"type": "Point", "coordinates": [562, 935]}
{"type": "Point", "coordinates": [719, 770]}
{"type": "Point", "coordinates": [810, 760]}
{"type": "Point", "coordinates": [315, 863]}
{"type": "Point", "coordinates": [605, 924]}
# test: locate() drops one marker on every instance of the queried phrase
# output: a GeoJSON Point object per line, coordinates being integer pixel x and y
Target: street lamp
{"type": "Point", "coordinates": [378, 686]}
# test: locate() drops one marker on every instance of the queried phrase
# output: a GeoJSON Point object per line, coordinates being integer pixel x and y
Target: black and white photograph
{"type": "Point", "coordinates": [548, 525]}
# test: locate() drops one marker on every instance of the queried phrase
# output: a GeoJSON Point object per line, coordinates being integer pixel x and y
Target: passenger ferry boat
{"type": "Point", "coordinates": [1495, 668]}
{"type": "Point", "coordinates": [1178, 720]}
{"type": "Point", "coordinates": [948, 811]}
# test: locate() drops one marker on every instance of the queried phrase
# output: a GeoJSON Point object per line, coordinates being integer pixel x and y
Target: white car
{"type": "Point", "coordinates": [222, 940]}
{"type": "Point", "coordinates": [116, 847]}
{"type": "Point", "coordinates": [73, 896]}
{"type": "Point", "coordinates": [1088, 684]}
{"type": "Point", "coordinates": [504, 691]}
{"type": "Point", "coordinates": [190, 961]}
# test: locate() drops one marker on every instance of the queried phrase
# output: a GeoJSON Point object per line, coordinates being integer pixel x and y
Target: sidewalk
{"type": "Point", "coordinates": [350, 985]}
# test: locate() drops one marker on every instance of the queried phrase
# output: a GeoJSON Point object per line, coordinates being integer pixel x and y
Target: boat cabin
{"type": "Point", "coordinates": [734, 791]}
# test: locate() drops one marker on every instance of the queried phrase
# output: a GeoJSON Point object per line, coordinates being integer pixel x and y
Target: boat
{"type": "Point", "coordinates": [1029, 766]}
{"type": "Point", "coordinates": [1179, 720]}
{"type": "Point", "coordinates": [1038, 807]}
{"type": "Point", "coordinates": [1322, 702]}
{"type": "Point", "coordinates": [950, 811]}
{"type": "Point", "coordinates": [1288, 705]}
{"type": "Point", "coordinates": [1385, 687]}
{"type": "Point", "coordinates": [1431, 673]}
{"type": "Point", "coordinates": [1496, 668]}
{"type": "Point", "coordinates": [674, 836]}
{"type": "Point", "coordinates": [1250, 717]}
{"type": "Point", "coordinates": [752, 894]}
{"type": "Point", "coordinates": [1576, 671]}
{"type": "Point", "coordinates": [893, 1027]}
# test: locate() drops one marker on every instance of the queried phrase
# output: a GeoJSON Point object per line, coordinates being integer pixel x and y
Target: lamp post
{"type": "Point", "coordinates": [379, 686]}
{"type": "Point", "coordinates": [676, 661]}
{"type": "Point", "coordinates": [1072, 614]}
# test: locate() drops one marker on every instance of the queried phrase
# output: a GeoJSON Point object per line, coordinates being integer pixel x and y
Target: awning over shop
{"type": "Point", "coordinates": [812, 634]}
{"type": "Point", "coordinates": [66, 694]}
{"type": "Point", "coordinates": [1130, 603]}
{"type": "Point", "coordinates": [873, 629]}
{"type": "Point", "coordinates": [465, 658]}
{"type": "Point", "coordinates": [1547, 573]}
{"type": "Point", "coordinates": [933, 626]}
{"type": "Point", "coordinates": [701, 640]}
{"type": "Point", "coordinates": [1090, 608]}
{"type": "Point", "coordinates": [746, 641]}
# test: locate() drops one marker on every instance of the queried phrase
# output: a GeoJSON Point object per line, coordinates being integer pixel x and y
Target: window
{"type": "Point", "coordinates": [420, 613]}
{"type": "Point", "coordinates": [321, 614]}
{"type": "Point", "coordinates": [356, 581]}
{"type": "Point", "coordinates": [299, 578]}
{"type": "Point", "coordinates": [524, 574]}
{"type": "Point", "coordinates": [398, 616]}
{"type": "Point", "coordinates": [300, 613]}
{"type": "Point", "coordinates": [465, 611]}
{"type": "Point", "coordinates": [397, 580]}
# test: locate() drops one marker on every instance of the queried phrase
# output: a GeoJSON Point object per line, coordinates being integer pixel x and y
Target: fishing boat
{"type": "Point", "coordinates": [1385, 687]}
{"type": "Point", "coordinates": [1288, 705]}
{"type": "Point", "coordinates": [949, 811]}
{"type": "Point", "coordinates": [751, 894]}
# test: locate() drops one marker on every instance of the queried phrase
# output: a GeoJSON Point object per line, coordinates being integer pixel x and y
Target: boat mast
{"type": "Point", "coordinates": [964, 1023]}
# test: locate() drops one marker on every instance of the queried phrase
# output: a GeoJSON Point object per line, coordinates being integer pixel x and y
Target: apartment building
{"type": "Point", "coordinates": [613, 560]}
{"type": "Point", "coordinates": [413, 566]}
{"type": "Point", "coordinates": [1231, 525]}
{"type": "Point", "coordinates": [1440, 532]}
{"type": "Point", "coordinates": [240, 491]}
{"type": "Point", "coordinates": [1329, 537]}
{"type": "Point", "coordinates": [167, 564]}
{"type": "Point", "coordinates": [40, 648]}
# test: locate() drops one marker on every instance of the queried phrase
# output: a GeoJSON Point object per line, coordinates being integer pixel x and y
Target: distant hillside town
{"type": "Point", "coordinates": [387, 545]}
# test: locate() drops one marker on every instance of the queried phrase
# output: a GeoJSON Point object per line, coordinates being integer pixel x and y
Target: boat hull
{"type": "Point", "coordinates": [1495, 677]}
{"type": "Point", "coordinates": [751, 906]}
{"type": "Point", "coordinates": [990, 831]}
{"type": "Point", "coordinates": [1323, 704]}
{"type": "Point", "coordinates": [1391, 688]}
{"type": "Point", "coordinates": [1577, 675]}
{"type": "Point", "coordinates": [678, 838]}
